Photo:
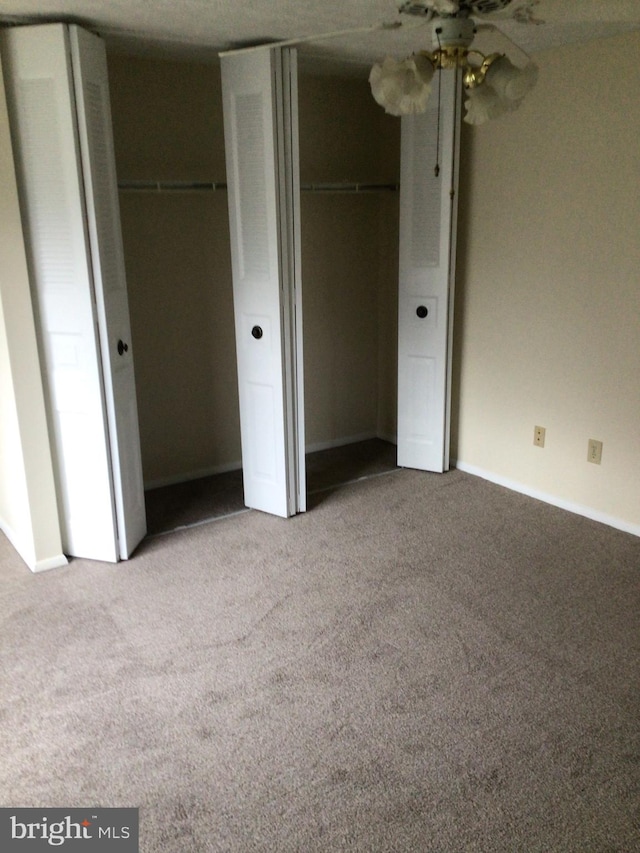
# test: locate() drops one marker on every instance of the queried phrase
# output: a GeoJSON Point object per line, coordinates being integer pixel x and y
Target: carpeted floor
{"type": "Point", "coordinates": [421, 663]}
{"type": "Point", "coordinates": [195, 501]}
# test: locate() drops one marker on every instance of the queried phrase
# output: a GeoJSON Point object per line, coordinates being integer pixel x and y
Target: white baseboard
{"type": "Point", "coordinates": [35, 565]}
{"type": "Point", "coordinates": [546, 497]}
{"type": "Point", "coordinates": [51, 563]}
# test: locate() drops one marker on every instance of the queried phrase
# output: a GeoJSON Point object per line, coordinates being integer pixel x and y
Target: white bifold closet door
{"type": "Point", "coordinates": [428, 204]}
{"type": "Point", "coordinates": [261, 138]}
{"type": "Point", "coordinates": [56, 78]}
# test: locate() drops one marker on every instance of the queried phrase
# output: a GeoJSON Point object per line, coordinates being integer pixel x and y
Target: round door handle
{"type": "Point", "coordinates": [122, 347]}
{"type": "Point", "coordinates": [257, 332]}
{"type": "Point", "coordinates": [422, 311]}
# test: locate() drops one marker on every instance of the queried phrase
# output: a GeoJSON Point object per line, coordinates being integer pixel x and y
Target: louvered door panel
{"type": "Point", "coordinates": [107, 255]}
{"type": "Point", "coordinates": [427, 267]}
{"type": "Point", "coordinates": [262, 246]}
{"type": "Point", "coordinates": [40, 94]}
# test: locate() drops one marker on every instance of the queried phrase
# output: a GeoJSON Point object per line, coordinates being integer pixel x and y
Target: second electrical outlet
{"type": "Point", "coordinates": [538, 436]}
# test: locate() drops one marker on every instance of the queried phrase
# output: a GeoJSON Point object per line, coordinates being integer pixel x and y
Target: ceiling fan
{"type": "Point", "coordinates": [493, 84]}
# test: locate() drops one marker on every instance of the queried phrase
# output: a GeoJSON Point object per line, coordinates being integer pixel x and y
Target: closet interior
{"type": "Point", "coordinates": [169, 143]}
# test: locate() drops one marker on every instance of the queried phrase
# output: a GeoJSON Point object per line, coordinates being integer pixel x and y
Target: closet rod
{"type": "Point", "coordinates": [162, 186]}
{"type": "Point", "coordinates": [188, 186]}
{"type": "Point", "coordinates": [349, 188]}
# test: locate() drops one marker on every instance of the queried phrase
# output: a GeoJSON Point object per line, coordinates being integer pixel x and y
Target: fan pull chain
{"type": "Point", "coordinates": [436, 170]}
{"type": "Point", "coordinates": [456, 98]}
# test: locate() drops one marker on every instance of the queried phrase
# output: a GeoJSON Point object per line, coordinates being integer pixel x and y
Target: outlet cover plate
{"type": "Point", "coordinates": [538, 436]}
{"type": "Point", "coordinates": [594, 451]}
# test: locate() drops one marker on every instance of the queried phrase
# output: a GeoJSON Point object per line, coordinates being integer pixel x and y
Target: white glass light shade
{"type": "Point", "coordinates": [503, 90]}
{"type": "Point", "coordinates": [483, 104]}
{"type": "Point", "coordinates": [402, 88]}
{"type": "Point", "coordinates": [510, 82]}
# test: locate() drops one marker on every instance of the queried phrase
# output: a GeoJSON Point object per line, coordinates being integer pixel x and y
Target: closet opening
{"type": "Point", "coordinates": [169, 139]}
{"type": "Point", "coordinates": [349, 175]}
{"type": "Point", "coordinates": [167, 118]}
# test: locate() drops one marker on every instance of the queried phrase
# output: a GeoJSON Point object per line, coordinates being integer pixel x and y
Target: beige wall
{"type": "Point", "coordinates": [344, 135]}
{"type": "Point", "coordinates": [548, 293]}
{"type": "Point", "coordinates": [167, 119]}
{"type": "Point", "coordinates": [28, 509]}
{"type": "Point", "coordinates": [168, 126]}
{"type": "Point", "coordinates": [180, 298]}
{"type": "Point", "coordinates": [349, 339]}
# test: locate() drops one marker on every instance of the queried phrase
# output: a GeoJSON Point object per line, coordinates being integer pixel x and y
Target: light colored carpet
{"type": "Point", "coordinates": [421, 663]}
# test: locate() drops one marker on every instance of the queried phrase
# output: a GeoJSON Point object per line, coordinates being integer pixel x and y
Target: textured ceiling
{"type": "Point", "coordinates": [201, 28]}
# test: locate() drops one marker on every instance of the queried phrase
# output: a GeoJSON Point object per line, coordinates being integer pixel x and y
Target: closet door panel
{"type": "Point", "coordinates": [107, 255]}
{"type": "Point", "coordinates": [428, 200]}
{"type": "Point", "coordinates": [256, 168]}
{"type": "Point", "coordinates": [40, 94]}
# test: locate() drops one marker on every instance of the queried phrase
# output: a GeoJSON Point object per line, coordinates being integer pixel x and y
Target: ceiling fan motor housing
{"type": "Point", "coordinates": [466, 7]}
{"type": "Point", "coordinates": [453, 32]}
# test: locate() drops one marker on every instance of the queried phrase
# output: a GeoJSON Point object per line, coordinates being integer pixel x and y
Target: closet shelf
{"type": "Point", "coordinates": [198, 186]}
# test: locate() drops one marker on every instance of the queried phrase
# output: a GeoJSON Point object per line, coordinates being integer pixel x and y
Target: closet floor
{"type": "Point", "coordinates": [196, 501]}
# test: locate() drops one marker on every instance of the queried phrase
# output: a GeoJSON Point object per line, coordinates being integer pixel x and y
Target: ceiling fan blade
{"type": "Point", "coordinates": [292, 42]}
{"type": "Point", "coordinates": [522, 11]}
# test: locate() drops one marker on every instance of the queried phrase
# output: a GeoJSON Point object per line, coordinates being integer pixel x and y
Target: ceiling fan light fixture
{"type": "Point", "coordinates": [482, 105]}
{"type": "Point", "coordinates": [498, 88]}
{"type": "Point", "coordinates": [493, 88]}
{"type": "Point", "coordinates": [402, 88]}
{"type": "Point", "coordinates": [474, 75]}
{"type": "Point", "coordinates": [510, 82]}
{"type": "Point", "coordinates": [493, 84]}
{"type": "Point", "coordinates": [425, 68]}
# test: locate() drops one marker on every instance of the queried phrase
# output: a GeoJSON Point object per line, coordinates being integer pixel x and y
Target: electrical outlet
{"type": "Point", "coordinates": [538, 436]}
{"type": "Point", "coordinates": [594, 452]}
